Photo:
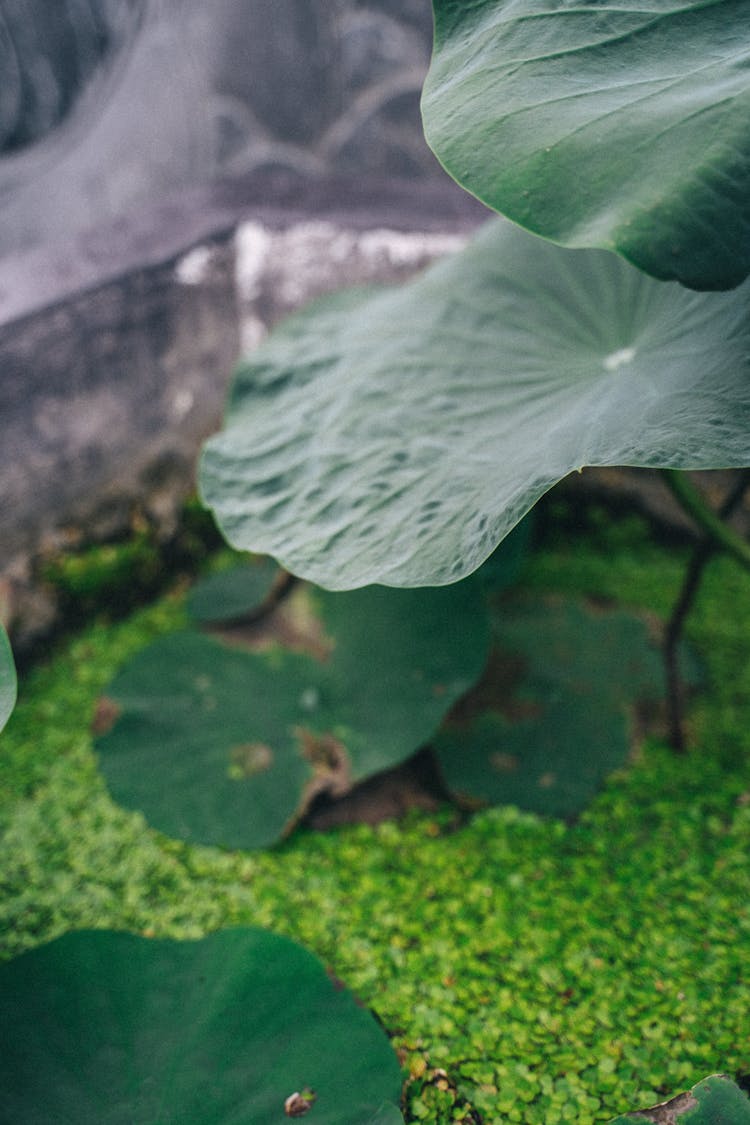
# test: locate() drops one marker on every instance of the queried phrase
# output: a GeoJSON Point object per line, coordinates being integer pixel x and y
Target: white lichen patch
{"type": "Point", "coordinates": [182, 403]}
{"type": "Point", "coordinates": [193, 268]}
{"type": "Point", "coordinates": [284, 269]}
{"type": "Point", "coordinates": [252, 245]}
{"type": "Point", "coordinates": [401, 249]}
{"type": "Point", "coordinates": [252, 333]}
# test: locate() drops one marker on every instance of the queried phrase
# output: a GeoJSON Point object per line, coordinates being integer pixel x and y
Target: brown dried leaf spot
{"type": "Point", "coordinates": [248, 759]}
{"type": "Point", "coordinates": [330, 762]}
{"type": "Point", "coordinates": [668, 1113]}
{"type": "Point", "coordinates": [106, 714]}
{"type": "Point", "coordinates": [504, 763]}
{"type": "Point", "coordinates": [298, 1103]}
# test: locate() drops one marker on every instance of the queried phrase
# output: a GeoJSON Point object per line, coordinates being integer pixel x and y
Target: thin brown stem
{"type": "Point", "coordinates": [704, 551]}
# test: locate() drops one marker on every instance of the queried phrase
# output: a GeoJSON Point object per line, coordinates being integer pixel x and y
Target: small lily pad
{"type": "Point", "coordinates": [115, 1029]}
{"type": "Point", "coordinates": [226, 739]}
{"type": "Point", "coordinates": [714, 1101]}
{"type": "Point", "coordinates": [231, 594]}
{"type": "Point", "coordinates": [552, 715]}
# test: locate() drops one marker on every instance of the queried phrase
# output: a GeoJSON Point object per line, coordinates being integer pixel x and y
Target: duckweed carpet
{"type": "Point", "coordinates": [527, 970]}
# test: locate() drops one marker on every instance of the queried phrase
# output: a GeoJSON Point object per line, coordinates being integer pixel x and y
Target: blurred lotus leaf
{"type": "Point", "coordinates": [226, 739]}
{"type": "Point", "coordinates": [112, 1028]}
{"type": "Point", "coordinates": [242, 591]}
{"type": "Point", "coordinates": [555, 710]}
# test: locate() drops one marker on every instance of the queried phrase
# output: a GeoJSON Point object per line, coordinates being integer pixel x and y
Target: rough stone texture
{"type": "Point", "coordinates": [135, 136]}
{"type": "Point", "coordinates": [113, 104]}
{"type": "Point", "coordinates": [48, 54]}
{"type": "Point", "coordinates": [116, 362]}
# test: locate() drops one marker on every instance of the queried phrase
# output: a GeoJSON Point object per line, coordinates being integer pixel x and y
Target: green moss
{"type": "Point", "coordinates": [115, 578]}
{"type": "Point", "coordinates": [99, 575]}
{"type": "Point", "coordinates": [554, 972]}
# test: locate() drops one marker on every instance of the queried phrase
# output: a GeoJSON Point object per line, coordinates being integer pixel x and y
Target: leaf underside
{"type": "Point", "coordinates": [397, 436]}
{"type": "Point", "coordinates": [621, 126]}
{"type": "Point", "coordinates": [114, 1028]}
{"type": "Point", "coordinates": [8, 685]}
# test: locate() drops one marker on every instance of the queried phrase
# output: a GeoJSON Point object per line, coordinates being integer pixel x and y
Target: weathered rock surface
{"type": "Point", "coordinates": [106, 106]}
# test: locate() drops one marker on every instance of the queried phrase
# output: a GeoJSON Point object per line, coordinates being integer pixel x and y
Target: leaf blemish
{"type": "Point", "coordinates": [106, 714]}
{"type": "Point", "coordinates": [505, 763]}
{"type": "Point", "coordinates": [298, 1103]}
{"type": "Point", "coordinates": [330, 762]}
{"type": "Point", "coordinates": [249, 759]}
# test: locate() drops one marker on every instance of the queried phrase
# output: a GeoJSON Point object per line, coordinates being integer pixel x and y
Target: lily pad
{"type": "Point", "coordinates": [714, 1101]}
{"type": "Point", "coordinates": [553, 714]}
{"type": "Point", "coordinates": [114, 1029]}
{"type": "Point", "coordinates": [8, 685]}
{"type": "Point", "coordinates": [240, 591]}
{"type": "Point", "coordinates": [222, 744]}
{"type": "Point", "coordinates": [619, 126]}
{"type": "Point", "coordinates": [397, 437]}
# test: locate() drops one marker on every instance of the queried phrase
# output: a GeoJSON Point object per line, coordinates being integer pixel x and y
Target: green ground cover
{"type": "Point", "coordinates": [527, 970]}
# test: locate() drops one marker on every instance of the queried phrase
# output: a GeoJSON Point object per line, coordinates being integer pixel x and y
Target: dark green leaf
{"type": "Point", "coordinates": [219, 744]}
{"type": "Point", "coordinates": [114, 1029]}
{"type": "Point", "coordinates": [553, 714]}
{"type": "Point", "coordinates": [398, 437]}
{"type": "Point", "coordinates": [616, 126]}
{"type": "Point", "coordinates": [233, 593]}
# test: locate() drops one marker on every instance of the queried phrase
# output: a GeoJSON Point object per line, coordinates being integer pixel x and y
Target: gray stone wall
{"type": "Point", "coordinates": [108, 105]}
{"type": "Point", "coordinates": [174, 176]}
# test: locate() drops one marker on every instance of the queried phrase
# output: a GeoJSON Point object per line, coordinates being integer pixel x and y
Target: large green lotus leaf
{"type": "Point", "coordinates": [397, 437]}
{"type": "Point", "coordinates": [552, 715]}
{"type": "Point", "coordinates": [621, 126]}
{"type": "Point", "coordinates": [7, 679]}
{"type": "Point", "coordinates": [223, 745]}
{"type": "Point", "coordinates": [714, 1101]}
{"type": "Point", "coordinates": [111, 1029]}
